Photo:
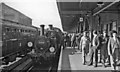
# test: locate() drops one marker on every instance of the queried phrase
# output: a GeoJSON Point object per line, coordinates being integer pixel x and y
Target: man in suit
{"type": "Point", "coordinates": [64, 39]}
{"type": "Point", "coordinates": [78, 39]}
{"type": "Point", "coordinates": [100, 38]}
{"type": "Point", "coordinates": [114, 49]}
{"type": "Point", "coordinates": [84, 44]}
{"type": "Point", "coordinates": [94, 49]}
{"type": "Point", "coordinates": [104, 50]}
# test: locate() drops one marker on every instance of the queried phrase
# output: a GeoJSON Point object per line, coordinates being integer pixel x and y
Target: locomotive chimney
{"type": "Point", "coordinates": [42, 30]}
{"type": "Point", "coordinates": [51, 27]}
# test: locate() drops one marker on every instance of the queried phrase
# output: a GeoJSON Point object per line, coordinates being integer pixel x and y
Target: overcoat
{"type": "Point", "coordinates": [112, 47]}
{"type": "Point", "coordinates": [104, 44]}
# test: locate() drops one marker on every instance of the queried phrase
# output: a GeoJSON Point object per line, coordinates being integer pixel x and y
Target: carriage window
{"type": "Point", "coordinates": [15, 30]}
{"type": "Point", "coordinates": [7, 29]}
{"type": "Point", "coordinates": [26, 31]}
{"type": "Point", "coordinates": [21, 30]}
{"type": "Point", "coordinates": [12, 30]}
{"type": "Point", "coordinates": [118, 29]}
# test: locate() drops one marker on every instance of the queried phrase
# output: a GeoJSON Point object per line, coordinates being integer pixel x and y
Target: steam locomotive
{"type": "Point", "coordinates": [47, 46]}
{"type": "Point", "coordinates": [18, 37]}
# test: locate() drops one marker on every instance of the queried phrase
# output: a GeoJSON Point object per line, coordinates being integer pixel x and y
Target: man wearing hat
{"type": "Point", "coordinates": [104, 50]}
{"type": "Point", "coordinates": [94, 49]}
{"type": "Point", "coordinates": [84, 44]}
{"type": "Point", "coordinates": [114, 49]}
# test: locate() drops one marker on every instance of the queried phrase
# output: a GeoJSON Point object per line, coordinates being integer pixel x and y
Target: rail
{"type": "Point", "coordinates": [21, 65]}
{"type": "Point", "coordinates": [35, 69]}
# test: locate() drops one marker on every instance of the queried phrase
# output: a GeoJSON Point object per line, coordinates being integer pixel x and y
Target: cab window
{"type": "Point", "coordinates": [15, 30]}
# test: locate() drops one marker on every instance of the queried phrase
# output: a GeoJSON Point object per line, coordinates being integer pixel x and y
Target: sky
{"type": "Point", "coordinates": [41, 11]}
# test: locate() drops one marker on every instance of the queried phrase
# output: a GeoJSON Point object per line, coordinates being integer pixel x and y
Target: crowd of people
{"type": "Point", "coordinates": [100, 46]}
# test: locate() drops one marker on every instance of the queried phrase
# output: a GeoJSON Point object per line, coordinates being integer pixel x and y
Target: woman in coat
{"type": "Point", "coordinates": [104, 50]}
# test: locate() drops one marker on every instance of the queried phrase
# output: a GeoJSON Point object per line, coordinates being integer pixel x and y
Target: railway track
{"type": "Point", "coordinates": [25, 65]}
{"type": "Point", "coordinates": [45, 67]}
{"type": "Point", "coordinates": [40, 69]}
{"type": "Point", "coordinates": [20, 66]}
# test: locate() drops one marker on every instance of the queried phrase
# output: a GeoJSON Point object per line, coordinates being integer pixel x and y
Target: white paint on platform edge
{"type": "Point", "coordinates": [60, 60]}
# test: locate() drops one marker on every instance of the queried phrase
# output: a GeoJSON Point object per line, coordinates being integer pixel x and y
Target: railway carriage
{"type": "Point", "coordinates": [17, 34]}
{"type": "Point", "coordinates": [16, 40]}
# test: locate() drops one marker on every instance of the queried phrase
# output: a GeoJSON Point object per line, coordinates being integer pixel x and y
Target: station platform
{"type": "Point", "coordinates": [69, 62]}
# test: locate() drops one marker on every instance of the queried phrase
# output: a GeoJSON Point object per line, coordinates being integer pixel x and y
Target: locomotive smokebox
{"type": "Point", "coordinates": [51, 27]}
{"type": "Point", "coordinates": [42, 30]}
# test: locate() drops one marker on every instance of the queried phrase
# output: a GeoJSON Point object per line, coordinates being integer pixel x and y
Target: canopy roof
{"type": "Point", "coordinates": [71, 10]}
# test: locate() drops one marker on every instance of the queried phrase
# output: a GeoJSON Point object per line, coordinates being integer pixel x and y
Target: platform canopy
{"type": "Point", "coordinates": [71, 10]}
